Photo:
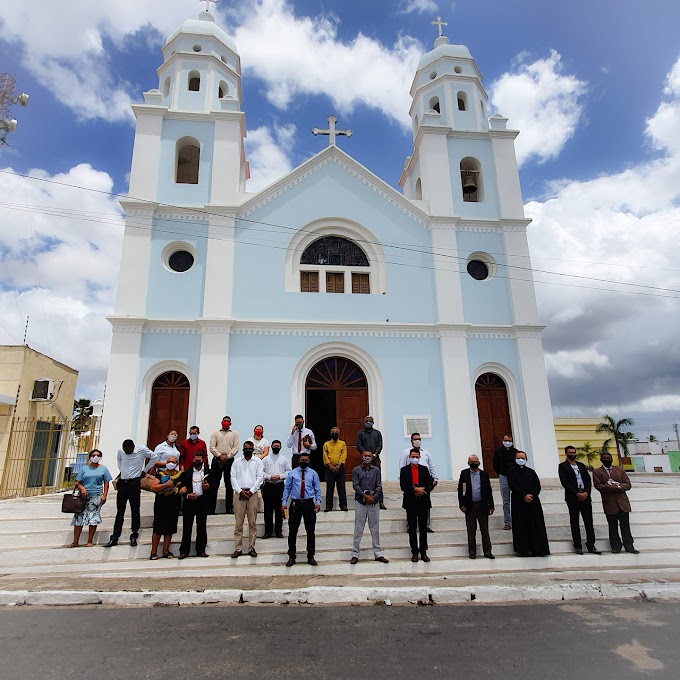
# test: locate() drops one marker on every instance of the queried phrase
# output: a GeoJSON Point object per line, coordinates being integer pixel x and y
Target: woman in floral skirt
{"type": "Point", "coordinates": [92, 482]}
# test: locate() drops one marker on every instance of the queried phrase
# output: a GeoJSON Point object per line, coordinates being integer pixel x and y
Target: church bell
{"type": "Point", "coordinates": [469, 183]}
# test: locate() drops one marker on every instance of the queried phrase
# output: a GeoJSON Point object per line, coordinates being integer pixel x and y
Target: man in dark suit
{"type": "Point", "coordinates": [194, 489]}
{"type": "Point", "coordinates": [575, 479]}
{"type": "Point", "coordinates": [416, 482]}
{"type": "Point", "coordinates": [613, 482]}
{"type": "Point", "coordinates": [475, 499]}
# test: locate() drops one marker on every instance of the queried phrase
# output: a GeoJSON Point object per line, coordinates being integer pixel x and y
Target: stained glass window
{"type": "Point", "coordinates": [334, 251]}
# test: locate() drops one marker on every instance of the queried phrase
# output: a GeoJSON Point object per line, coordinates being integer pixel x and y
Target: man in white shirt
{"type": "Point", "coordinates": [276, 468]}
{"type": "Point", "coordinates": [223, 446]}
{"type": "Point", "coordinates": [194, 491]}
{"type": "Point", "coordinates": [426, 460]}
{"type": "Point", "coordinates": [301, 440]}
{"type": "Point", "coordinates": [247, 476]}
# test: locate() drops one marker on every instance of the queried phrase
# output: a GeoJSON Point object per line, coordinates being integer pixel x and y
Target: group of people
{"type": "Point", "coordinates": [186, 483]}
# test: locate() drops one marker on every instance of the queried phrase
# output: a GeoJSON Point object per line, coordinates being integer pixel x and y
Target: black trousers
{"type": "Point", "coordinates": [585, 510]}
{"type": "Point", "coordinates": [298, 511]}
{"type": "Point", "coordinates": [334, 479]}
{"type": "Point", "coordinates": [129, 491]}
{"type": "Point", "coordinates": [194, 509]}
{"type": "Point", "coordinates": [478, 515]}
{"type": "Point", "coordinates": [272, 493]}
{"type": "Point", "coordinates": [217, 473]}
{"type": "Point", "coordinates": [621, 519]}
{"type": "Point", "coordinates": [416, 519]}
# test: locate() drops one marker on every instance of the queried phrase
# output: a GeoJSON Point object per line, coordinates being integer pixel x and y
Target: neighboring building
{"type": "Point", "coordinates": [578, 431]}
{"type": "Point", "coordinates": [315, 313]}
{"type": "Point", "coordinates": [33, 386]}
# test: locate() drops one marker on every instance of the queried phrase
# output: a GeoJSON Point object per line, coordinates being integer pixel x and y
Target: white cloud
{"type": "Point", "coordinates": [575, 364]}
{"type": "Point", "coordinates": [268, 153]}
{"type": "Point", "coordinates": [420, 6]}
{"type": "Point", "coordinates": [540, 101]}
{"type": "Point", "coordinates": [75, 237]}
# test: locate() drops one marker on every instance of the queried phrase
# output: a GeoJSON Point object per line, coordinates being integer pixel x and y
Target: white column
{"type": "Point", "coordinates": [435, 171]}
{"type": "Point", "coordinates": [228, 157]}
{"type": "Point", "coordinates": [219, 267]}
{"type": "Point", "coordinates": [458, 394]}
{"type": "Point", "coordinates": [537, 402]}
{"type": "Point", "coordinates": [520, 277]}
{"type": "Point", "coordinates": [133, 277]}
{"type": "Point", "coordinates": [146, 152]}
{"type": "Point", "coordinates": [121, 389]}
{"type": "Point", "coordinates": [446, 274]}
{"type": "Point", "coordinates": [213, 373]}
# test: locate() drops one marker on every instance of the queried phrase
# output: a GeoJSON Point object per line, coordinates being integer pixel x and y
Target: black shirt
{"type": "Point", "coordinates": [502, 458]}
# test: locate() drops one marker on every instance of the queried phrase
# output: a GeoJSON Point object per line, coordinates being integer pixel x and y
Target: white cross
{"type": "Point", "coordinates": [439, 23]}
{"type": "Point", "coordinates": [331, 132]}
{"type": "Point", "coordinates": [207, 4]}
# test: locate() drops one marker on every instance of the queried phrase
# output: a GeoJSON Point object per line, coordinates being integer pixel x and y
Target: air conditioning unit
{"type": "Point", "coordinates": [43, 390]}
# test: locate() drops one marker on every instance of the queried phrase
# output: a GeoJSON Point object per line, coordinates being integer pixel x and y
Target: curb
{"type": "Point", "coordinates": [320, 595]}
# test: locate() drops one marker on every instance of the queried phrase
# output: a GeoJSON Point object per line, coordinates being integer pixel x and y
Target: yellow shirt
{"type": "Point", "coordinates": [334, 453]}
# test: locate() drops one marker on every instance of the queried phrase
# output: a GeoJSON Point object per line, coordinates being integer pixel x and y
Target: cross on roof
{"type": "Point", "coordinates": [331, 132]}
{"type": "Point", "coordinates": [439, 23]}
{"type": "Point", "coordinates": [207, 4]}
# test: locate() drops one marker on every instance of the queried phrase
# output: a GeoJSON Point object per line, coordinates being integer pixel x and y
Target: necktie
{"type": "Point", "coordinates": [302, 485]}
{"type": "Point", "coordinates": [299, 441]}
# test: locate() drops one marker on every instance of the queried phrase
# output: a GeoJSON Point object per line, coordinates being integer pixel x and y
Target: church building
{"type": "Point", "coordinates": [328, 293]}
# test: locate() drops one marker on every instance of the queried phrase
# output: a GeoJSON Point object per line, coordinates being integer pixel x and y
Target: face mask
{"type": "Point", "coordinates": [172, 437]}
{"type": "Point", "coordinates": [298, 425]}
{"type": "Point", "coordinates": [521, 462]}
{"type": "Point", "coordinates": [258, 433]}
{"type": "Point", "coordinates": [414, 461]}
{"type": "Point", "coordinates": [368, 425]}
{"type": "Point", "coordinates": [507, 444]}
{"type": "Point", "coordinates": [474, 466]}
{"type": "Point", "coordinates": [193, 437]}
{"type": "Point", "coordinates": [247, 454]}
{"type": "Point", "coordinates": [304, 464]}
{"type": "Point", "coordinates": [571, 456]}
{"type": "Point", "coordinates": [334, 436]}
{"type": "Point", "coordinates": [225, 425]}
{"type": "Point", "coordinates": [275, 449]}
{"type": "Point", "coordinates": [367, 459]}
{"type": "Point", "coordinates": [416, 443]}
{"type": "Point", "coordinates": [95, 459]}
{"type": "Point", "coordinates": [606, 463]}
{"type": "Point", "coordinates": [170, 466]}
{"type": "Point", "coordinates": [198, 464]}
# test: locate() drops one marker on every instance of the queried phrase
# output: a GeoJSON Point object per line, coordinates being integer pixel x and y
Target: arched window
{"type": "Point", "coordinates": [434, 104]}
{"type": "Point", "coordinates": [419, 190]}
{"type": "Point", "coordinates": [194, 81]}
{"type": "Point", "coordinates": [166, 87]}
{"type": "Point", "coordinates": [471, 180]}
{"type": "Point", "coordinates": [462, 101]}
{"type": "Point", "coordinates": [188, 160]}
{"type": "Point", "coordinates": [223, 90]}
{"type": "Point", "coordinates": [335, 251]}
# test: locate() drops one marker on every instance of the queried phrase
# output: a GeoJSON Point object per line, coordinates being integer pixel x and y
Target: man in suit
{"type": "Point", "coordinates": [575, 479]}
{"type": "Point", "coordinates": [475, 499]}
{"type": "Point", "coordinates": [194, 489]}
{"type": "Point", "coordinates": [416, 482]}
{"type": "Point", "coordinates": [612, 482]}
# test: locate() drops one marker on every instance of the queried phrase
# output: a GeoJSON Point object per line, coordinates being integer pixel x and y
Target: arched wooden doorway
{"type": "Point", "coordinates": [494, 415]}
{"type": "Point", "coordinates": [169, 407]}
{"type": "Point", "coordinates": [336, 394]}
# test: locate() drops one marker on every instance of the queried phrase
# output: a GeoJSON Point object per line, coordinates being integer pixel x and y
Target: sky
{"type": "Point", "coordinates": [593, 87]}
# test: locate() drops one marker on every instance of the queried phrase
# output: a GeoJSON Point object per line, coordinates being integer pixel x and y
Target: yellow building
{"type": "Point", "coordinates": [578, 431]}
{"type": "Point", "coordinates": [34, 387]}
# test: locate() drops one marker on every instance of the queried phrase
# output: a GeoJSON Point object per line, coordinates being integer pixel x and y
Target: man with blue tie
{"type": "Point", "coordinates": [303, 489]}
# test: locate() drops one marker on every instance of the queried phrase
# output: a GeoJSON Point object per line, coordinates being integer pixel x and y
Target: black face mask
{"type": "Point", "coordinates": [607, 463]}
{"type": "Point", "coordinates": [276, 449]}
{"type": "Point", "coordinates": [334, 436]}
{"type": "Point", "coordinates": [304, 464]}
{"type": "Point", "coordinates": [571, 456]}
{"type": "Point", "coordinates": [198, 464]}
{"type": "Point", "coordinates": [248, 454]}
{"type": "Point", "coordinates": [474, 466]}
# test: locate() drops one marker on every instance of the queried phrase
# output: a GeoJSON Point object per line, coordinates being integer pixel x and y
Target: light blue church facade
{"type": "Point", "coordinates": [329, 293]}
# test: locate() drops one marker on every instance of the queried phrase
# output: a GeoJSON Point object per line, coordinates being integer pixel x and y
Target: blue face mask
{"type": "Point", "coordinates": [368, 425]}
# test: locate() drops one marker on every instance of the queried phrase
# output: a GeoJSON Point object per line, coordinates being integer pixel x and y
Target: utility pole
{"type": "Point", "coordinates": [7, 99]}
{"type": "Point", "coordinates": [677, 436]}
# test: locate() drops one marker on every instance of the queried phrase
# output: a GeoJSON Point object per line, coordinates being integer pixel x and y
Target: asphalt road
{"type": "Point", "coordinates": [574, 641]}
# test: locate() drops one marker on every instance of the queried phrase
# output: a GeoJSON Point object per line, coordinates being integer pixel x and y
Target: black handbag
{"type": "Point", "coordinates": [74, 502]}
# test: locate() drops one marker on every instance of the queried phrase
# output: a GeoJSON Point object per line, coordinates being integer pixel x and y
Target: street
{"type": "Point", "coordinates": [571, 640]}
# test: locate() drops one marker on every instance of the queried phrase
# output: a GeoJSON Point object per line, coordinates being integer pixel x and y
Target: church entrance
{"type": "Point", "coordinates": [169, 407]}
{"type": "Point", "coordinates": [336, 393]}
{"type": "Point", "coordinates": [494, 415]}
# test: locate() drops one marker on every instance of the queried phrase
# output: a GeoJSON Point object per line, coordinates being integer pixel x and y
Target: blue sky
{"type": "Point", "coordinates": [586, 83]}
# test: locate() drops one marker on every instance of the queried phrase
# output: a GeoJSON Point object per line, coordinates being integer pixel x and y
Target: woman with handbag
{"type": "Point", "coordinates": [166, 506]}
{"type": "Point", "coordinates": [93, 483]}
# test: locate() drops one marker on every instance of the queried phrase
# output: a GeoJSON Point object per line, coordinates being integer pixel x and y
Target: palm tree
{"type": "Point", "coordinates": [588, 453]}
{"type": "Point", "coordinates": [618, 436]}
{"type": "Point", "coordinates": [651, 439]}
{"type": "Point", "coordinates": [82, 416]}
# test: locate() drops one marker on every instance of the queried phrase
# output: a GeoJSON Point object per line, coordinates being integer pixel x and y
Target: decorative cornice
{"type": "Point", "coordinates": [180, 215]}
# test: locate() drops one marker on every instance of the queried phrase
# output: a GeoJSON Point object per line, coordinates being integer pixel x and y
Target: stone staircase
{"type": "Point", "coordinates": [34, 533]}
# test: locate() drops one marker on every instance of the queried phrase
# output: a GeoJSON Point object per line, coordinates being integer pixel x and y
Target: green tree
{"type": "Point", "coordinates": [651, 439]}
{"type": "Point", "coordinates": [614, 428]}
{"type": "Point", "coordinates": [587, 453]}
{"type": "Point", "coordinates": [82, 416]}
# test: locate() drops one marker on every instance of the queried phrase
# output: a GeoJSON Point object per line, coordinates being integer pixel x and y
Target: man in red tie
{"type": "Point", "coordinates": [416, 482]}
{"type": "Point", "coordinates": [301, 441]}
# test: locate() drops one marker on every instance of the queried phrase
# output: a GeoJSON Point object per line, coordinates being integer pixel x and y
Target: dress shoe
{"type": "Point", "coordinates": [229, 512]}
{"type": "Point", "coordinates": [424, 557]}
{"type": "Point", "coordinates": [291, 562]}
{"type": "Point", "coordinates": [266, 536]}
{"type": "Point", "coordinates": [327, 509]}
{"type": "Point", "coordinates": [312, 561]}
{"type": "Point", "coordinates": [252, 552]}
{"type": "Point", "coordinates": [594, 551]}
{"type": "Point", "coordinates": [430, 531]}
{"type": "Point", "coordinates": [632, 551]}
{"type": "Point", "coordinates": [133, 541]}
{"type": "Point", "coordinates": [473, 556]}
{"type": "Point", "coordinates": [382, 559]}
{"type": "Point", "coordinates": [279, 535]}
{"type": "Point", "coordinates": [354, 560]}
{"type": "Point", "coordinates": [382, 506]}
{"type": "Point", "coordinates": [616, 552]}
{"type": "Point", "coordinates": [182, 557]}
{"type": "Point", "coordinates": [490, 556]}
{"type": "Point", "coordinates": [203, 554]}
{"type": "Point", "coordinates": [111, 543]}
{"type": "Point", "coordinates": [414, 557]}
{"type": "Point", "coordinates": [578, 551]}
{"type": "Point", "coordinates": [237, 553]}
{"type": "Point", "coordinates": [345, 509]}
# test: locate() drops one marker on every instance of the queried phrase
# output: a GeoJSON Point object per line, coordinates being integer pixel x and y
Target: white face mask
{"type": "Point", "coordinates": [95, 459]}
{"type": "Point", "coordinates": [416, 443]}
{"type": "Point", "coordinates": [170, 466]}
{"type": "Point", "coordinates": [193, 437]}
{"type": "Point", "coordinates": [172, 437]}
{"type": "Point", "coordinates": [507, 444]}
{"type": "Point", "coordinates": [414, 461]}
{"type": "Point", "coordinates": [521, 462]}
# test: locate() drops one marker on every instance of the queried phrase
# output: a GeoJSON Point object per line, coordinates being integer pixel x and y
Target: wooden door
{"type": "Point", "coordinates": [494, 416]}
{"type": "Point", "coordinates": [352, 408]}
{"type": "Point", "coordinates": [169, 407]}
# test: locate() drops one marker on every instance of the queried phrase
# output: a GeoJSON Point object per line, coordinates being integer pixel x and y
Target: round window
{"type": "Point", "coordinates": [433, 75]}
{"type": "Point", "coordinates": [181, 261]}
{"type": "Point", "coordinates": [457, 69]}
{"type": "Point", "coordinates": [478, 270]}
{"type": "Point", "coordinates": [198, 48]}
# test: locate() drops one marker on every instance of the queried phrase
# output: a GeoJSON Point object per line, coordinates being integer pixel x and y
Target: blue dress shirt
{"type": "Point", "coordinates": [291, 487]}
